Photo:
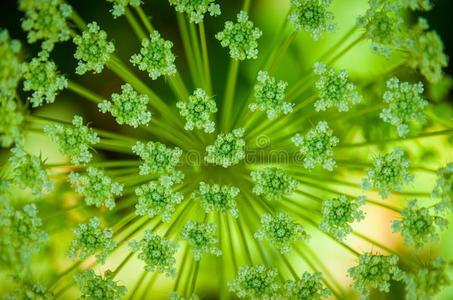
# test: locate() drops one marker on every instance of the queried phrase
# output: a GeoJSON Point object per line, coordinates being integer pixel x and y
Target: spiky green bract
{"type": "Point", "coordinates": [335, 89]}
{"type": "Point", "coordinates": [10, 68]}
{"type": "Point", "coordinates": [28, 290]}
{"type": "Point", "coordinates": [428, 281]}
{"type": "Point", "coordinates": [129, 107]}
{"type": "Point", "coordinates": [270, 96]}
{"type": "Point", "coordinates": [177, 296]}
{"type": "Point", "coordinates": [375, 272]}
{"type": "Point", "coordinates": [217, 197]}
{"type": "Point", "coordinates": [273, 183]}
{"type": "Point", "coordinates": [157, 158]}
{"type": "Point", "coordinates": [11, 119]}
{"type": "Point", "coordinates": [256, 282]}
{"type": "Point", "coordinates": [281, 231]}
{"type": "Point", "coordinates": [75, 140]}
{"type": "Point", "coordinates": [241, 37]}
{"type": "Point", "coordinates": [338, 213]}
{"type": "Point", "coordinates": [312, 17]}
{"type": "Point", "coordinates": [197, 111]}
{"type": "Point", "coordinates": [93, 286]}
{"type": "Point", "coordinates": [418, 225]}
{"type": "Point", "coordinates": [317, 146]}
{"type": "Point", "coordinates": [155, 56]}
{"type": "Point", "coordinates": [155, 199]}
{"type": "Point", "coordinates": [41, 77]}
{"type": "Point", "coordinates": [97, 187]}
{"type": "Point", "coordinates": [157, 252]}
{"type": "Point", "coordinates": [29, 171]}
{"type": "Point", "coordinates": [93, 49]}
{"type": "Point", "coordinates": [89, 238]}
{"type": "Point", "coordinates": [202, 238]}
{"type": "Point", "coordinates": [405, 103]}
{"type": "Point", "coordinates": [308, 287]}
{"type": "Point", "coordinates": [382, 25]}
{"type": "Point", "coordinates": [119, 6]}
{"type": "Point", "coordinates": [196, 9]}
{"type": "Point", "coordinates": [426, 51]}
{"type": "Point", "coordinates": [389, 172]}
{"type": "Point", "coordinates": [228, 149]}
{"type": "Point", "coordinates": [444, 188]}
{"type": "Point", "coordinates": [46, 20]}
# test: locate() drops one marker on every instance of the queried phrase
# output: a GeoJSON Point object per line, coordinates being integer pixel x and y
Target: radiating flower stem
{"type": "Point", "coordinates": [204, 51]}
{"type": "Point", "coordinates": [229, 95]}
{"type": "Point", "coordinates": [134, 24]}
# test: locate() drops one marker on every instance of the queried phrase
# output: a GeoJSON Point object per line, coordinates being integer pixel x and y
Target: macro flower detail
{"type": "Point", "coordinates": [375, 272]}
{"type": "Point", "coordinates": [97, 187]}
{"type": "Point", "coordinates": [308, 287]}
{"type": "Point", "coordinates": [418, 225]}
{"type": "Point", "coordinates": [157, 252]}
{"type": "Point", "coordinates": [155, 56]}
{"type": "Point", "coordinates": [42, 78]}
{"type": "Point", "coordinates": [10, 64]}
{"type": "Point", "coordinates": [157, 158]}
{"type": "Point", "coordinates": [281, 231]}
{"type": "Point", "coordinates": [129, 107]}
{"type": "Point", "coordinates": [29, 291]}
{"type": "Point", "coordinates": [255, 282]}
{"type": "Point", "coordinates": [89, 239]}
{"type": "Point", "coordinates": [94, 286]}
{"type": "Point", "coordinates": [389, 172]}
{"type": "Point", "coordinates": [217, 197]}
{"type": "Point", "coordinates": [196, 9]}
{"type": "Point", "coordinates": [155, 199]}
{"type": "Point", "coordinates": [119, 6]}
{"type": "Point", "coordinates": [312, 17]}
{"type": "Point", "coordinates": [46, 20]}
{"type": "Point", "coordinates": [201, 238]}
{"type": "Point", "coordinates": [75, 140]}
{"type": "Point", "coordinates": [197, 111]}
{"type": "Point", "coordinates": [241, 37]}
{"type": "Point", "coordinates": [93, 50]}
{"type": "Point", "coordinates": [444, 188]}
{"type": "Point", "coordinates": [270, 96]}
{"type": "Point", "coordinates": [405, 103]}
{"type": "Point", "coordinates": [11, 119]}
{"type": "Point", "coordinates": [424, 5]}
{"type": "Point", "coordinates": [317, 146]}
{"type": "Point", "coordinates": [29, 171]}
{"type": "Point", "coordinates": [338, 213]}
{"type": "Point", "coordinates": [273, 183]}
{"type": "Point", "coordinates": [228, 149]}
{"type": "Point", "coordinates": [177, 296]}
{"type": "Point", "coordinates": [335, 89]}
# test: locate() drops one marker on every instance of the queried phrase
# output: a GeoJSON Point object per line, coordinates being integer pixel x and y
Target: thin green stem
{"type": "Point", "coordinates": [197, 52]}
{"type": "Point", "coordinates": [229, 95]}
{"type": "Point", "coordinates": [84, 92]}
{"type": "Point", "coordinates": [144, 18]}
{"type": "Point", "coordinates": [190, 57]}
{"type": "Point", "coordinates": [282, 52]}
{"type": "Point", "coordinates": [204, 52]}
{"type": "Point", "coordinates": [77, 19]}
{"type": "Point", "coordinates": [138, 30]}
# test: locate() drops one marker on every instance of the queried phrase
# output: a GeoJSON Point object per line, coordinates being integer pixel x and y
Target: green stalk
{"type": "Point", "coordinates": [281, 52]}
{"type": "Point", "coordinates": [204, 51]}
{"type": "Point", "coordinates": [75, 17]}
{"type": "Point", "coordinates": [229, 95]}
{"type": "Point", "coordinates": [122, 264]}
{"type": "Point", "coordinates": [82, 91]}
{"type": "Point", "coordinates": [138, 30]}
{"type": "Point", "coordinates": [144, 18]}
{"type": "Point", "coordinates": [197, 52]}
{"type": "Point", "coordinates": [190, 57]}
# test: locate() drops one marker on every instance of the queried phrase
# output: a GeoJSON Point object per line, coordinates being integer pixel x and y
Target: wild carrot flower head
{"type": "Point", "coordinates": [156, 158]}
{"type": "Point", "coordinates": [94, 286]}
{"type": "Point", "coordinates": [215, 197]}
{"type": "Point", "coordinates": [197, 111]}
{"type": "Point", "coordinates": [255, 282]}
{"type": "Point", "coordinates": [196, 9]}
{"type": "Point", "coordinates": [273, 183]}
{"type": "Point", "coordinates": [228, 149]}
{"type": "Point", "coordinates": [308, 287]}
{"type": "Point", "coordinates": [120, 6]}
{"type": "Point", "coordinates": [201, 238]}
{"type": "Point", "coordinates": [444, 188]}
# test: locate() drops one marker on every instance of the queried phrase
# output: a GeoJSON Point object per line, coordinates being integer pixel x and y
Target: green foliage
{"type": "Point", "coordinates": [155, 56]}
{"type": "Point", "coordinates": [338, 213]}
{"type": "Point", "coordinates": [317, 146]}
{"type": "Point", "coordinates": [405, 103]}
{"type": "Point", "coordinates": [90, 238]}
{"type": "Point", "coordinates": [241, 37]}
{"type": "Point", "coordinates": [196, 9]}
{"type": "Point", "coordinates": [335, 89]}
{"type": "Point", "coordinates": [11, 119]}
{"type": "Point", "coordinates": [93, 50]}
{"type": "Point", "coordinates": [93, 286]}
{"type": "Point", "coordinates": [256, 282]}
{"type": "Point", "coordinates": [198, 111]}
{"type": "Point", "coordinates": [157, 252]}
{"type": "Point", "coordinates": [270, 96]}
{"type": "Point", "coordinates": [312, 17]}
{"type": "Point", "coordinates": [308, 287]}
{"type": "Point", "coordinates": [10, 67]}
{"type": "Point", "coordinates": [228, 149]}
{"type": "Point", "coordinates": [375, 272]}
{"type": "Point", "coordinates": [389, 172]}
{"type": "Point", "coordinates": [281, 231]}
{"type": "Point", "coordinates": [418, 225]}
{"type": "Point", "coordinates": [444, 188]}
{"type": "Point", "coordinates": [155, 199]}
{"type": "Point", "coordinates": [201, 237]}
{"type": "Point", "coordinates": [273, 183]}
{"type": "Point", "coordinates": [97, 187]}
{"type": "Point", "coordinates": [157, 158]}
{"type": "Point", "coordinates": [73, 140]}
{"type": "Point", "coordinates": [42, 78]}
{"type": "Point", "coordinates": [217, 197]}
{"type": "Point", "coordinates": [129, 107]}
{"type": "Point", "coordinates": [46, 20]}
{"type": "Point", "coordinates": [119, 6]}
{"type": "Point", "coordinates": [28, 290]}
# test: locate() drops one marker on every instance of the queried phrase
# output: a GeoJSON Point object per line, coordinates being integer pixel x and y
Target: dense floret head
{"type": "Point", "coordinates": [228, 149]}
{"type": "Point", "coordinates": [256, 282]}
{"type": "Point", "coordinates": [196, 9]}
{"type": "Point", "coordinates": [215, 197]}
{"type": "Point", "coordinates": [201, 238]}
{"type": "Point", "coordinates": [273, 183]}
{"type": "Point", "coordinates": [157, 158]}
{"type": "Point", "coordinates": [444, 188]}
{"type": "Point", "coordinates": [120, 6]}
{"type": "Point", "coordinates": [94, 286]}
{"type": "Point", "coordinates": [308, 287]}
{"type": "Point", "coordinates": [198, 111]}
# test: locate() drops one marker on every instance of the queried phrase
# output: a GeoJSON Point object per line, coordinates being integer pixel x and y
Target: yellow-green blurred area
{"type": "Point", "coordinates": [59, 216]}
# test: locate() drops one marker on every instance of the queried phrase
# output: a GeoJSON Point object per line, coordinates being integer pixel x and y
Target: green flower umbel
{"type": "Point", "coordinates": [157, 158]}
{"type": "Point", "coordinates": [93, 50]}
{"type": "Point", "coordinates": [219, 198]}
{"type": "Point", "coordinates": [155, 56]}
{"type": "Point", "coordinates": [273, 183]}
{"type": "Point", "coordinates": [197, 111]}
{"type": "Point", "coordinates": [10, 68]}
{"type": "Point", "coordinates": [119, 6]}
{"type": "Point", "coordinates": [308, 287]}
{"type": "Point", "coordinates": [444, 188]}
{"type": "Point", "coordinates": [255, 282]}
{"type": "Point", "coordinates": [227, 150]}
{"type": "Point", "coordinates": [202, 238]}
{"type": "Point", "coordinates": [241, 38]}
{"type": "Point", "coordinates": [93, 286]}
{"type": "Point", "coordinates": [196, 9]}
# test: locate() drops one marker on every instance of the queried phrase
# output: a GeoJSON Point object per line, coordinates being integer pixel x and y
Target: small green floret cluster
{"type": "Point", "coordinates": [215, 197]}
{"type": "Point", "coordinates": [228, 149]}
{"type": "Point", "coordinates": [196, 9]}
{"type": "Point", "coordinates": [120, 6]}
{"type": "Point", "coordinates": [308, 287]}
{"type": "Point", "coordinates": [444, 188]}
{"type": "Point", "coordinates": [273, 183]}
{"type": "Point", "coordinates": [202, 238]}
{"type": "Point", "coordinates": [255, 282]}
{"type": "Point", "coordinates": [197, 111]}
{"type": "Point", "coordinates": [94, 286]}
{"type": "Point", "coordinates": [157, 158]}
